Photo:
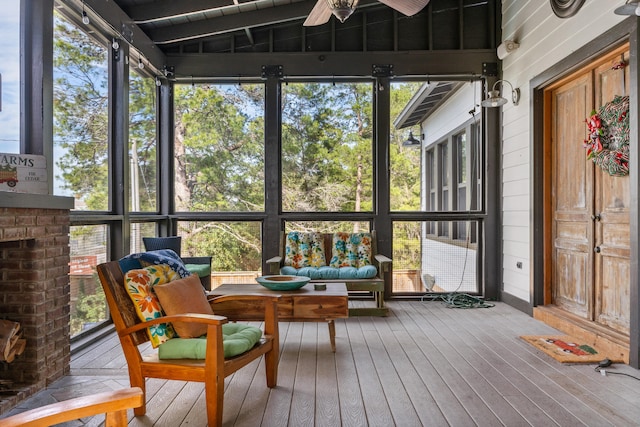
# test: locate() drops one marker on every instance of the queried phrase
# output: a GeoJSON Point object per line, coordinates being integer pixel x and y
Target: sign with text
{"type": "Point", "coordinates": [23, 173]}
{"type": "Point", "coordinates": [83, 265]}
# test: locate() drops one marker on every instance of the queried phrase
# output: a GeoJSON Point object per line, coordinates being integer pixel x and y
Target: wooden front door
{"type": "Point", "coordinates": [589, 233]}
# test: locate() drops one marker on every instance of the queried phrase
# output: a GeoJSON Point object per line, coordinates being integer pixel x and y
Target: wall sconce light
{"type": "Point", "coordinates": [140, 63]}
{"type": "Point", "coordinates": [506, 47]}
{"type": "Point", "coordinates": [411, 141]}
{"type": "Point", "coordinates": [495, 100]}
{"type": "Point", "coordinates": [630, 7]}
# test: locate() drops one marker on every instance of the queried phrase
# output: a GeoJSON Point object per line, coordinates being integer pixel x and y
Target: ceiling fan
{"type": "Point", "coordinates": [342, 9]}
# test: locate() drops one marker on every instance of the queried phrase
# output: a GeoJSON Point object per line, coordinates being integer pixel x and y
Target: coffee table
{"type": "Point", "coordinates": [302, 305]}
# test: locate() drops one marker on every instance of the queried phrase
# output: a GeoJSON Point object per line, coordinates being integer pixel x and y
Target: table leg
{"type": "Point", "coordinates": [332, 334]}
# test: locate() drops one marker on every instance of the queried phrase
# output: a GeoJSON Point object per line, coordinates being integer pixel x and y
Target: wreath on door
{"type": "Point", "coordinates": [607, 143]}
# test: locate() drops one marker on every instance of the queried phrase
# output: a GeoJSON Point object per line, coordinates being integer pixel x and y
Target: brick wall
{"type": "Point", "coordinates": [34, 291]}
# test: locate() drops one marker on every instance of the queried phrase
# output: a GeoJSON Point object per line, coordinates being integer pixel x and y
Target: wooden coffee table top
{"type": "Point", "coordinates": [333, 289]}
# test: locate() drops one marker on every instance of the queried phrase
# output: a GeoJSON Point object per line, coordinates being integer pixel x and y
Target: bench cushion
{"type": "Point", "coordinates": [351, 250]}
{"type": "Point", "coordinates": [304, 249]}
{"type": "Point", "coordinates": [236, 338]}
{"type": "Point", "coordinates": [332, 273]}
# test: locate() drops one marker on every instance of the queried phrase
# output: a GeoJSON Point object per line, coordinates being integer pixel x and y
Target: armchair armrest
{"type": "Point", "coordinates": [274, 264]}
{"type": "Point", "coordinates": [383, 262]}
{"type": "Point", "coordinates": [187, 317]}
{"type": "Point", "coordinates": [112, 403]}
{"type": "Point", "coordinates": [197, 259]}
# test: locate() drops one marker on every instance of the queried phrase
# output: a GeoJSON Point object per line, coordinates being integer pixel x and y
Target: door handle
{"type": "Point", "coordinates": [596, 249]}
{"type": "Point", "coordinates": [596, 217]}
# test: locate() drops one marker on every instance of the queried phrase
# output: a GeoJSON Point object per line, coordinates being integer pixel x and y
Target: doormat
{"type": "Point", "coordinates": [565, 349]}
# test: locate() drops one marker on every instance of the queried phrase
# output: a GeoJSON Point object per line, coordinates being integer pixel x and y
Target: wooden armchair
{"type": "Point", "coordinates": [212, 370]}
{"type": "Point", "coordinates": [113, 404]}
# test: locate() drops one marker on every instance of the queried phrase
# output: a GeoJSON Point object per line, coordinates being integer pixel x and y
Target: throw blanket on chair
{"type": "Point", "coordinates": [162, 256]}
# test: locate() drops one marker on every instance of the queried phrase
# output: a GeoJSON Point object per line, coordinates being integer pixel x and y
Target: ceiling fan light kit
{"type": "Point", "coordinates": [342, 9]}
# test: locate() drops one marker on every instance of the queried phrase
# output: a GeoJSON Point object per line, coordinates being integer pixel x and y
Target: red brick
{"type": "Point", "coordinates": [62, 219]}
{"type": "Point", "coordinates": [37, 231]}
{"type": "Point", "coordinates": [14, 233]}
{"type": "Point", "coordinates": [25, 220]}
{"type": "Point", "coordinates": [7, 220]}
{"type": "Point", "coordinates": [45, 219]}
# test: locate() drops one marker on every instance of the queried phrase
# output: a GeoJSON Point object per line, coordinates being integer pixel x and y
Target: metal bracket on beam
{"type": "Point", "coordinates": [127, 33]}
{"type": "Point", "coordinates": [382, 70]}
{"type": "Point", "coordinates": [169, 71]}
{"type": "Point", "coordinates": [489, 69]}
{"type": "Point", "coordinates": [272, 71]}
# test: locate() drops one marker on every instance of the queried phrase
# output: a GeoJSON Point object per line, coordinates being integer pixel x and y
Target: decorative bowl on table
{"type": "Point", "coordinates": [283, 282]}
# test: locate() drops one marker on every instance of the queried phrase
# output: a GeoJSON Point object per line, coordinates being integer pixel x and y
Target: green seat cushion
{"type": "Point", "coordinates": [202, 270]}
{"type": "Point", "coordinates": [237, 338]}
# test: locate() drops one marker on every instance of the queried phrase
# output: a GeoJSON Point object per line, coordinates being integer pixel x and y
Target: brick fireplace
{"type": "Point", "coordinates": [34, 290]}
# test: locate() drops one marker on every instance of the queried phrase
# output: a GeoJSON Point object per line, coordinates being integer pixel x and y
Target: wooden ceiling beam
{"type": "Point", "coordinates": [230, 23]}
{"type": "Point", "coordinates": [164, 10]}
{"type": "Point", "coordinates": [456, 65]}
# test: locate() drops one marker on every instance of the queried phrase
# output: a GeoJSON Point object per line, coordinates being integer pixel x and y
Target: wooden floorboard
{"type": "Point", "coordinates": [423, 365]}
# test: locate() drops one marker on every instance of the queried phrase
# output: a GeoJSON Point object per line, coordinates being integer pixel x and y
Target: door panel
{"type": "Point", "coordinates": [572, 283]}
{"type": "Point", "coordinates": [572, 198]}
{"type": "Point", "coordinates": [611, 280]}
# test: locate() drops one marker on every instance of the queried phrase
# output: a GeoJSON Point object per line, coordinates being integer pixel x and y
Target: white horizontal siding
{"type": "Point", "coordinates": [516, 203]}
{"type": "Point", "coordinates": [544, 41]}
{"type": "Point", "coordinates": [517, 172]}
{"type": "Point", "coordinates": [515, 158]}
{"type": "Point", "coordinates": [453, 113]}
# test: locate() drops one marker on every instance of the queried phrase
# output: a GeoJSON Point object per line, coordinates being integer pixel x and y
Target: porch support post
{"type": "Point", "coordinates": [120, 232]}
{"type": "Point", "coordinates": [491, 252]}
{"type": "Point", "coordinates": [382, 209]}
{"type": "Point", "coordinates": [166, 161]}
{"type": "Point", "coordinates": [272, 226]}
{"type": "Point", "coordinates": [36, 77]}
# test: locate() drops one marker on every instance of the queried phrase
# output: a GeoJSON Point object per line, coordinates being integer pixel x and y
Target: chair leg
{"type": "Point", "coordinates": [137, 380]}
{"type": "Point", "coordinates": [214, 392]}
{"type": "Point", "coordinates": [271, 365]}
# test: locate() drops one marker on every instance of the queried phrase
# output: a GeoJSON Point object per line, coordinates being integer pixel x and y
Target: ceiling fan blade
{"type": "Point", "coordinates": [319, 15]}
{"type": "Point", "coordinates": [406, 7]}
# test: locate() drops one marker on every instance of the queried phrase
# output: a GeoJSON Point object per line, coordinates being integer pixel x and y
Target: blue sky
{"type": "Point", "coordinates": [10, 70]}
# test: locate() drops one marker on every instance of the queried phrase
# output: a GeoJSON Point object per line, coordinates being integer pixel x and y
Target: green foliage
{"type": "Point", "coordinates": [236, 246]}
{"type": "Point", "coordinates": [80, 114]}
{"type": "Point", "coordinates": [80, 109]}
{"type": "Point", "coordinates": [327, 147]}
{"type": "Point", "coordinates": [143, 140]}
{"type": "Point", "coordinates": [220, 147]}
{"type": "Point", "coordinates": [90, 308]}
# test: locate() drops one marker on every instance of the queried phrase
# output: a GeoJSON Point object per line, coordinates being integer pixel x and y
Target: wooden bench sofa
{"type": "Point", "coordinates": [324, 243]}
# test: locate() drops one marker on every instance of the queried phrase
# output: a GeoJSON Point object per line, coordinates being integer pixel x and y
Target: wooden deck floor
{"type": "Point", "coordinates": [424, 365]}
